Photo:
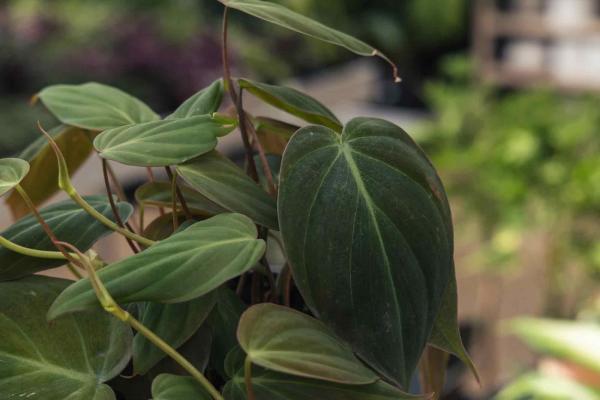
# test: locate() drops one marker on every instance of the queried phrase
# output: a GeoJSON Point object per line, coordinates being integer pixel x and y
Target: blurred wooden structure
{"type": "Point", "coordinates": [524, 43]}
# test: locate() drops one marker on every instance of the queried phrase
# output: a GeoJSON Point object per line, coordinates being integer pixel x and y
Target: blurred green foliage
{"type": "Point", "coordinates": [523, 161]}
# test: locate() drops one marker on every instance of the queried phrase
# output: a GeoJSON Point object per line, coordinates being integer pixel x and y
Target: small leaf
{"type": "Point", "coordinates": [223, 322]}
{"type": "Point", "coordinates": [174, 387]}
{"type": "Point", "coordinates": [159, 194]}
{"type": "Point", "coordinates": [284, 17]}
{"type": "Point", "coordinates": [206, 101]}
{"type": "Point", "coordinates": [293, 102]}
{"type": "Point", "coordinates": [70, 224]}
{"type": "Point", "coordinates": [223, 182]}
{"type": "Point", "coordinates": [161, 143]}
{"type": "Point", "coordinates": [368, 234]}
{"type": "Point", "coordinates": [42, 181]}
{"type": "Point", "coordinates": [270, 385]}
{"type": "Point", "coordinates": [69, 358]}
{"type": "Point", "coordinates": [572, 341]}
{"type": "Point", "coordinates": [198, 260]}
{"type": "Point", "coordinates": [445, 334]}
{"type": "Point", "coordinates": [12, 172]}
{"type": "Point", "coordinates": [273, 134]}
{"type": "Point", "coordinates": [285, 340]}
{"type": "Point", "coordinates": [173, 323]}
{"type": "Point", "coordinates": [94, 106]}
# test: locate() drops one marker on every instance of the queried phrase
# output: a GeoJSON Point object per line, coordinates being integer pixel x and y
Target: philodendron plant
{"type": "Point", "coordinates": [321, 269]}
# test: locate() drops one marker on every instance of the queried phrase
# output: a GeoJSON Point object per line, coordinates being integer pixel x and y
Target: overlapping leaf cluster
{"type": "Point", "coordinates": [357, 210]}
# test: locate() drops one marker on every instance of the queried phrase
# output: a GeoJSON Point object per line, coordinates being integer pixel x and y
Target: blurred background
{"type": "Point", "coordinates": [504, 96]}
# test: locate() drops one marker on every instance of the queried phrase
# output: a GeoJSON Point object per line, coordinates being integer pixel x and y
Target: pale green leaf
{"type": "Point", "coordinates": [546, 387]}
{"type": "Point", "coordinates": [12, 172]}
{"type": "Point", "coordinates": [206, 101]}
{"type": "Point", "coordinates": [174, 387]}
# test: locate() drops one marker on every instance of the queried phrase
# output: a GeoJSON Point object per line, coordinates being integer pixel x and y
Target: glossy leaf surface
{"type": "Point", "coordinates": [187, 265]}
{"type": "Point", "coordinates": [285, 340]}
{"type": "Point", "coordinates": [68, 222]}
{"type": "Point", "coordinates": [223, 182]}
{"type": "Point", "coordinates": [94, 106]}
{"type": "Point", "coordinates": [69, 358]}
{"type": "Point", "coordinates": [174, 323]}
{"type": "Point", "coordinates": [159, 194]}
{"type": "Point", "coordinates": [293, 102]}
{"type": "Point", "coordinates": [12, 172]}
{"type": "Point", "coordinates": [269, 385]}
{"type": "Point", "coordinates": [42, 181]}
{"type": "Point", "coordinates": [161, 143]}
{"type": "Point", "coordinates": [174, 387]}
{"type": "Point", "coordinates": [206, 101]}
{"type": "Point", "coordinates": [368, 233]}
{"type": "Point", "coordinates": [284, 17]}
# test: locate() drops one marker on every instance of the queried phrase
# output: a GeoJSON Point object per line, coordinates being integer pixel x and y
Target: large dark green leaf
{"type": "Point", "coordinates": [445, 334]}
{"type": "Point", "coordinates": [206, 101]}
{"type": "Point", "coordinates": [174, 323]}
{"type": "Point", "coordinates": [279, 15]}
{"type": "Point", "coordinates": [285, 340]}
{"type": "Point", "coordinates": [223, 322]}
{"type": "Point", "coordinates": [269, 385]}
{"type": "Point", "coordinates": [174, 387]}
{"type": "Point", "coordinates": [223, 182]}
{"type": "Point", "coordinates": [187, 265]}
{"type": "Point", "coordinates": [94, 106]}
{"type": "Point", "coordinates": [367, 230]}
{"type": "Point", "coordinates": [70, 224]}
{"type": "Point", "coordinates": [12, 172]}
{"type": "Point", "coordinates": [42, 181]}
{"type": "Point", "coordinates": [69, 358]}
{"type": "Point", "coordinates": [161, 143]}
{"type": "Point", "coordinates": [160, 194]}
{"type": "Point", "coordinates": [293, 102]}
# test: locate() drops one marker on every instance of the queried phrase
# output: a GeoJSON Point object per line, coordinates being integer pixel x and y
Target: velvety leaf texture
{"type": "Point", "coordinates": [68, 222]}
{"type": "Point", "coordinates": [174, 387]}
{"type": "Point", "coordinates": [285, 340]}
{"type": "Point", "coordinates": [367, 230]}
{"type": "Point", "coordinates": [12, 171]}
{"type": "Point", "coordinates": [69, 358]}
{"type": "Point", "coordinates": [161, 143]}
{"type": "Point", "coordinates": [206, 101]}
{"type": "Point", "coordinates": [94, 106]}
{"type": "Point", "coordinates": [187, 265]}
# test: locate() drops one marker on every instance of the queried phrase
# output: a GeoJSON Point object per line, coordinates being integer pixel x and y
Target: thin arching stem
{"type": "Point", "coordinates": [173, 177]}
{"type": "Point", "coordinates": [121, 196]}
{"type": "Point", "coordinates": [248, 379]}
{"type": "Point", "coordinates": [161, 210]}
{"type": "Point", "coordinates": [113, 206]}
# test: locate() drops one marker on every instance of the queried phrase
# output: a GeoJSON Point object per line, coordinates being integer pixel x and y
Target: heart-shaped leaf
{"type": "Point", "coordinates": [12, 172]}
{"type": "Point", "coordinates": [173, 323]}
{"type": "Point", "coordinates": [68, 222]}
{"type": "Point", "coordinates": [161, 143]}
{"type": "Point", "coordinates": [160, 194]}
{"type": "Point", "coordinates": [445, 334]}
{"type": "Point", "coordinates": [293, 102]}
{"type": "Point", "coordinates": [174, 387]}
{"type": "Point", "coordinates": [42, 181]}
{"type": "Point", "coordinates": [274, 135]}
{"type": "Point", "coordinates": [279, 15]}
{"type": "Point", "coordinates": [223, 322]}
{"type": "Point", "coordinates": [69, 358]}
{"type": "Point", "coordinates": [285, 340]}
{"type": "Point", "coordinates": [270, 385]}
{"type": "Point", "coordinates": [198, 260]}
{"type": "Point", "coordinates": [94, 106]}
{"type": "Point", "coordinates": [223, 182]}
{"type": "Point", "coordinates": [206, 101]}
{"type": "Point", "coordinates": [367, 231]}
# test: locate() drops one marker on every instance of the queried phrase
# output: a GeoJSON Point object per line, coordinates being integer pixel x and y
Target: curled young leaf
{"type": "Point", "coordinates": [294, 102]}
{"type": "Point", "coordinates": [198, 259]}
{"type": "Point", "coordinates": [162, 143]}
{"type": "Point", "coordinates": [94, 106]}
{"type": "Point", "coordinates": [285, 340]}
{"type": "Point", "coordinates": [12, 172]}
{"type": "Point", "coordinates": [368, 234]}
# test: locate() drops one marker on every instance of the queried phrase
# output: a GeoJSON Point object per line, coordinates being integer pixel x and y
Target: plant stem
{"type": "Point", "coordinates": [112, 307]}
{"type": "Point", "coordinates": [113, 206]}
{"type": "Point", "coordinates": [248, 378]}
{"type": "Point", "coordinates": [174, 202]}
{"type": "Point", "coordinates": [179, 193]}
{"type": "Point", "coordinates": [26, 251]}
{"type": "Point", "coordinates": [161, 210]}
